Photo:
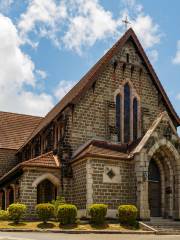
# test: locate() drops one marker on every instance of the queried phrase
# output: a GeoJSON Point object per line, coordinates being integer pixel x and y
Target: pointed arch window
{"type": "Point", "coordinates": [127, 106]}
{"type": "Point", "coordinates": [127, 119]}
{"type": "Point", "coordinates": [118, 116]}
{"type": "Point", "coordinates": [135, 118]}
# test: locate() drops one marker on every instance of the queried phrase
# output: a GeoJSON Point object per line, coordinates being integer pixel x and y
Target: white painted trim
{"type": "Point", "coordinates": [168, 144]}
{"type": "Point", "coordinates": [150, 132]}
{"type": "Point", "coordinates": [89, 184]}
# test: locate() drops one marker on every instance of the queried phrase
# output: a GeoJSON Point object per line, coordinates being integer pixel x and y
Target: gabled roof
{"type": "Point", "coordinates": [44, 160]}
{"type": "Point", "coordinates": [87, 81]}
{"type": "Point", "coordinates": [15, 129]}
{"type": "Point", "coordinates": [103, 149]}
{"type": "Point", "coordinates": [151, 130]}
{"type": "Point", "coordinates": [47, 160]}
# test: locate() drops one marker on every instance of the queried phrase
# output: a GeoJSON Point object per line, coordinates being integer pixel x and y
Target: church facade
{"type": "Point", "coordinates": [112, 139]}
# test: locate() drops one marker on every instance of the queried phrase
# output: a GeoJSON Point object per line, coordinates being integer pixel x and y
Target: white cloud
{"type": "Point", "coordinates": [75, 24]}
{"type": "Point", "coordinates": [176, 59]}
{"type": "Point", "coordinates": [178, 96]}
{"type": "Point", "coordinates": [14, 63]}
{"type": "Point", "coordinates": [63, 88]}
{"type": "Point", "coordinates": [17, 72]}
{"type": "Point", "coordinates": [92, 23]}
{"type": "Point", "coordinates": [78, 24]}
{"type": "Point", "coordinates": [42, 17]}
{"type": "Point", "coordinates": [133, 5]}
{"type": "Point", "coordinates": [146, 30]}
{"type": "Point", "coordinates": [153, 55]}
{"type": "Point", "coordinates": [41, 73]}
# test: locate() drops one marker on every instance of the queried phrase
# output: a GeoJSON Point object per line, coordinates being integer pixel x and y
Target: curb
{"type": "Point", "coordinates": [77, 231]}
{"type": "Point", "coordinates": [167, 233]}
{"type": "Point", "coordinates": [146, 227]}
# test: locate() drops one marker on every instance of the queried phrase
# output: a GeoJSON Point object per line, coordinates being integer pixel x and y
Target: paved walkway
{"type": "Point", "coordinates": [57, 236]}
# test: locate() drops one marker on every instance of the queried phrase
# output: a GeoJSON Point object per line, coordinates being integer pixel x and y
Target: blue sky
{"type": "Point", "coordinates": [48, 45]}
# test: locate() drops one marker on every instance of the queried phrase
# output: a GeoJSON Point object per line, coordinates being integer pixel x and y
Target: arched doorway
{"type": "Point", "coordinates": [154, 189]}
{"type": "Point", "coordinates": [11, 195]}
{"type": "Point", "coordinates": [46, 191]}
{"type": "Point", "coordinates": [3, 204]}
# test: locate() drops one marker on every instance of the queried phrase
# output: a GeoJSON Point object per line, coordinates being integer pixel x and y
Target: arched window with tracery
{"type": "Point", "coordinates": [127, 106]}
{"type": "Point", "coordinates": [118, 116]}
{"type": "Point", "coordinates": [135, 118]}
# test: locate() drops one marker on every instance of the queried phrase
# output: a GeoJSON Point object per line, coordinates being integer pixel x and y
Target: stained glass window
{"type": "Point", "coordinates": [126, 113]}
{"type": "Point", "coordinates": [135, 118]}
{"type": "Point", "coordinates": [118, 116]}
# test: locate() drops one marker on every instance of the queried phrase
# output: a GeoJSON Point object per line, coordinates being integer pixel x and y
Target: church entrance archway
{"type": "Point", "coordinates": [3, 201]}
{"type": "Point", "coordinates": [154, 189]}
{"type": "Point", "coordinates": [46, 191]}
{"type": "Point", "coordinates": [163, 157]}
{"type": "Point", "coordinates": [11, 195]}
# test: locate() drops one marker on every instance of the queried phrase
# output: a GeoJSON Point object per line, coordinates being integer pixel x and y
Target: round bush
{"type": "Point", "coordinates": [127, 214]}
{"type": "Point", "coordinates": [16, 211]}
{"type": "Point", "coordinates": [67, 214]}
{"type": "Point", "coordinates": [59, 201]}
{"type": "Point", "coordinates": [4, 215]}
{"type": "Point", "coordinates": [98, 213]}
{"type": "Point", "coordinates": [45, 211]}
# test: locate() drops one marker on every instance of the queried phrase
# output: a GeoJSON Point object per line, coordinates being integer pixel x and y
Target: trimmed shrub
{"type": "Point", "coordinates": [45, 211]}
{"type": "Point", "coordinates": [59, 201]}
{"type": "Point", "coordinates": [16, 211]}
{"type": "Point", "coordinates": [127, 214]}
{"type": "Point", "coordinates": [4, 215]}
{"type": "Point", "coordinates": [98, 213]}
{"type": "Point", "coordinates": [67, 214]}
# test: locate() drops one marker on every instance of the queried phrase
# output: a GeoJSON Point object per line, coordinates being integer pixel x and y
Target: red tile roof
{"type": "Point", "coordinates": [93, 148]}
{"type": "Point", "coordinates": [16, 128]}
{"type": "Point", "coordinates": [102, 149]}
{"type": "Point", "coordinates": [44, 160]}
{"type": "Point", "coordinates": [47, 160]}
{"type": "Point", "coordinates": [86, 82]}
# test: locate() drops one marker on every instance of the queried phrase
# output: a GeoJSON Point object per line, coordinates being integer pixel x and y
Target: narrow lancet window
{"type": "Point", "coordinates": [135, 119]}
{"type": "Point", "coordinates": [126, 113]}
{"type": "Point", "coordinates": [118, 117]}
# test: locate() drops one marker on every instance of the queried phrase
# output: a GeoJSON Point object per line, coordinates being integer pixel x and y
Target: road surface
{"type": "Point", "coordinates": [60, 236]}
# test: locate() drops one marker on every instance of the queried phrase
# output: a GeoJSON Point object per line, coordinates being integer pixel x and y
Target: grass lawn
{"type": "Point", "coordinates": [55, 225]}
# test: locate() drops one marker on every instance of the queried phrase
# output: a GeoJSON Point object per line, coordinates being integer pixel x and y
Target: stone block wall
{"type": "Point", "coordinates": [7, 160]}
{"type": "Point", "coordinates": [91, 183]}
{"type": "Point", "coordinates": [91, 116]}
{"type": "Point", "coordinates": [28, 192]}
{"type": "Point", "coordinates": [75, 189]}
{"type": "Point", "coordinates": [114, 189]}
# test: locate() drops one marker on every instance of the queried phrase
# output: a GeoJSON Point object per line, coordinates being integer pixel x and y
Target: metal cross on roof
{"type": "Point", "coordinates": [126, 22]}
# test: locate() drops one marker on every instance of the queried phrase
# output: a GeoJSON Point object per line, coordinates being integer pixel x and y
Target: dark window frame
{"type": "Point", "coordinates": [118, 116]}
{"type": "Point", "coordinates": [127, 113]}
{"type": "Point", "coordinates": [135, 118]}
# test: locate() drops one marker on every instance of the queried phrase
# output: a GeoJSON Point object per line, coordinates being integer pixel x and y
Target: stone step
{"type": "Point", "coordinates": [167, 227]}
{"type": "Point", "coordinates": [164, 225]}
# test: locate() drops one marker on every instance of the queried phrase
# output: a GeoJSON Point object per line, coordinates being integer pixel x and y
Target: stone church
{"type": "Point", "coordinates": [112, 139]}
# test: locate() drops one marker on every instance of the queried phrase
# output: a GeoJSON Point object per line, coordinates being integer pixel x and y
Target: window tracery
{"type": "Point", "coordinates": [127, 113]}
